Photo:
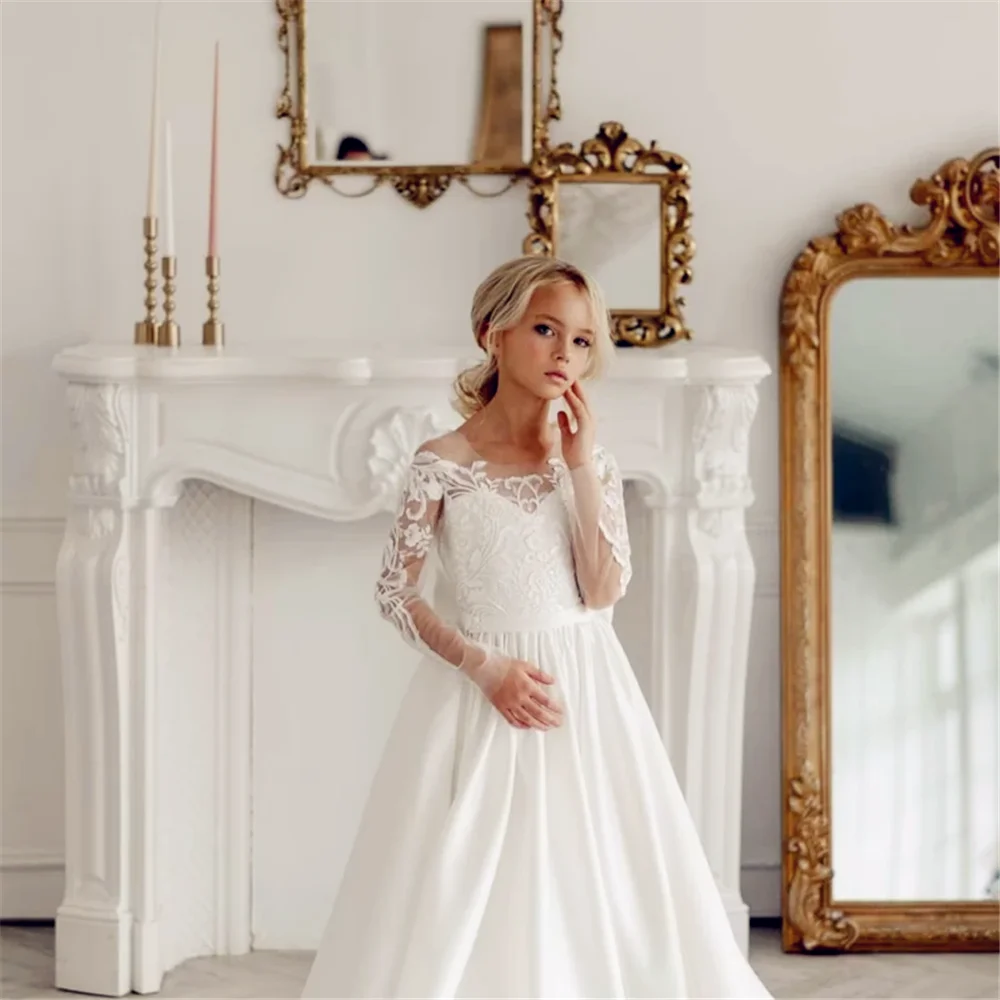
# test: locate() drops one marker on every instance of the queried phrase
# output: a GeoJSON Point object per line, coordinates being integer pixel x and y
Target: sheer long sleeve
{"type": "Point", "coordinates": [601, 551]}
{"type": "Point", "coordinates": [397, 591]}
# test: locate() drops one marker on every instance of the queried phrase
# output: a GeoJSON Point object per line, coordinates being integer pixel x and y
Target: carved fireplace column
{"type": "Point", "coordinates": [703, 583]}
{"type": "Point", "coordinates": [106, 924]}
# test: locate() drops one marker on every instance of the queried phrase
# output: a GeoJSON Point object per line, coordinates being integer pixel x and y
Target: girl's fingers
{"type": "Point", "coordinates": [572, 401]}
{"type": "Point", "coordinates": [540, 698]}
{"type": "Point", "coordinates": [514, 721]}
{"type": "Point", "coordinates": [541, 720]}
{"type": "Point", "coordinates": [538, 703]}
{"type": "Point", "coordinates": [579, 406]}
{"type": "Point", "coordinates": [529, 715]}
{"type": "Point", "coordinates": [548, 719]}
{"type": "Point", "coordinates": [531, 720]}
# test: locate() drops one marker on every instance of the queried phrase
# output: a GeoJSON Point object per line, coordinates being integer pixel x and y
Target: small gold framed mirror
{"type": "Point", "coordinates": [415, 94]}
{"type": "Point", "coordinates": [890, 563]}
{"type": "Point", "coordinates": [621, 211]}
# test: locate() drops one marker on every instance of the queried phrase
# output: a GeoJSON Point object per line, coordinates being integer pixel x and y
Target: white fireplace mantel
{"type": "Point", "coordinates": [330, 436]}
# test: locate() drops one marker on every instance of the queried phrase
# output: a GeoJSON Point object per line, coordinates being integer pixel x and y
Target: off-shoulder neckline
{"type": "Point", "coordinates": [476, 459]}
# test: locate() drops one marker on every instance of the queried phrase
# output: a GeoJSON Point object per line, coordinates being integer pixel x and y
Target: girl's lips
{"type": "Point", "coordinates": [556, 376]}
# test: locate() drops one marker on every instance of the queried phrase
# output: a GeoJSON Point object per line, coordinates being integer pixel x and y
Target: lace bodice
{"type": "Point", "coordinates": [516, 550]}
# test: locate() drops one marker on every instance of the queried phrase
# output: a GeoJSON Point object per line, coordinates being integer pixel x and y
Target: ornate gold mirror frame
{"type": "Point", "coordinates": [419, 185]}
{"type": "Point", "coordinates": [960, 239]}
{"type": "Point", "coordinates": [613, 157]}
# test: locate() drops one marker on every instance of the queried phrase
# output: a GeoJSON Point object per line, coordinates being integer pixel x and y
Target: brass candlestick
{"type": "Point", "coordinates": [168, 333]}
{"type": "Point", "coordinates": [145, 330]}
{"type": "Point", "coordinates": [212, 331]}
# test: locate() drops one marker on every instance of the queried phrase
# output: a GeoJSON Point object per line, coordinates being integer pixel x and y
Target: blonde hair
{"type": "Point", "coordinates": [500, 303]}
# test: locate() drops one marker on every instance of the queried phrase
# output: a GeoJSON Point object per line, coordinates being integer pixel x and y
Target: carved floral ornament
{"type": "Point", "coordinates": [963, 199]}
{"type": "Point", "coordinates": [395, 439]}
{"type": "Point", "coordinates": [960, 238]}
{"type": "Point", "coordinates": [98, 422]}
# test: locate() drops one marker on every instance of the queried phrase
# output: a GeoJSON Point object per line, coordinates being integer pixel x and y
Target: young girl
{"type": "Point", "coordinates": [525, 835]}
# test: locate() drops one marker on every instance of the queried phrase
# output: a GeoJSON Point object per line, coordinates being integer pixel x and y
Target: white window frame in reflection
{"type": "Point", "coordinates": [934, 834]}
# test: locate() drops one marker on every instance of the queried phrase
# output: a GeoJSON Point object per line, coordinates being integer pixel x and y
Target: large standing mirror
{"type": "Point", "coordinates": [891, 565]}
{"type": "Point", "coordinates": [914, 563]}
{"type": "Point", "coordinates": [416, 93]}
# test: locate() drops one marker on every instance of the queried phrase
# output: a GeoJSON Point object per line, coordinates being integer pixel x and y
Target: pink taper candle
{"type": "Point", "coordinates": [213, 190]}
{"type": "Point", "coordinates": [154, 124]}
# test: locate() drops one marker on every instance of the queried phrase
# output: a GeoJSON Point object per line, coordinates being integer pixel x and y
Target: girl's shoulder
{"type": "Point", "coordinates": [451, 448]}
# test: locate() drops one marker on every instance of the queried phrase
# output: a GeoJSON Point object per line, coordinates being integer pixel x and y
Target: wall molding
{"type": "Point", "coordinates": [12, 860]}
{"type": "Point", "coordinates": [45, 525]}
{"type": "Point", "coordinates": [30, 588]}
{"type": "Point", "coordinates": [29, 547]}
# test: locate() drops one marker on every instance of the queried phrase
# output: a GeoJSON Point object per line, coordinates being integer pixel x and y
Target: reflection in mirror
{"type": "Point", "coordinates": [612, 231]}
{"type": "Point", "coordinates": [914, 589]}
{"type": "Point", "coordinates": [419, 82]}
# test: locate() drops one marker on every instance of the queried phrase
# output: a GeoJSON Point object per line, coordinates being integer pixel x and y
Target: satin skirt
{"type": "Point", "coordinates": [499, 862]}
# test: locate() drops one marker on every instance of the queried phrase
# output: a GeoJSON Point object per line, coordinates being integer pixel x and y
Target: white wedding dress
{"type": "Point", "coordinates": [493, 861]}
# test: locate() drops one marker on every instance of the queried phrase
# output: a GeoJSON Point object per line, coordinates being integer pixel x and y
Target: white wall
{"type": "Point", "coordinates": [787, 113]}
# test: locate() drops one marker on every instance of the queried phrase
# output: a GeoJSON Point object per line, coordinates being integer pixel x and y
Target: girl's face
{"type": "Point", "coordinates": [551, 347]}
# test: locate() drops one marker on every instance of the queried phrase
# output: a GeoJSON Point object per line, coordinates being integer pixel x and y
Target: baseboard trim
{"type": "Point", "coordinates": [760, 883]}
{"type": "Point", "coordinates": [31, 885]}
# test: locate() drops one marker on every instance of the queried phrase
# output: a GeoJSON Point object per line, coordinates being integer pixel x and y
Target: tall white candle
{"type": "Point", "coordinates": [154, 124]}
{"type": "Point", "coordinates": [168, 190]}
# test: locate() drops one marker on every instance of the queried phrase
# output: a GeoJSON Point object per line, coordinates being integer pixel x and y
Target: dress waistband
{"type": "Point", "coordinates": [537, 622]}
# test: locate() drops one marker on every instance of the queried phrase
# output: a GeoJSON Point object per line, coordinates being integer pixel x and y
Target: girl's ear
{"type": "Point", "coordinates": [484, 329]}
{"type": "Point", "coordinates": [492, 344]}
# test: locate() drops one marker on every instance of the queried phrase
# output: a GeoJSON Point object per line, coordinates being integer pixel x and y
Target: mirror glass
{"type": "Point", "coordinates": [914, 589]}
{"type": "Point", "coordinates": [419, 82]}
{"type": "Point", "coordinates": [612, 231]}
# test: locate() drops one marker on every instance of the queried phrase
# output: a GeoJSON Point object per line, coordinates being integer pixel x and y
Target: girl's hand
{"type": "Point", "coordinates": [522, 700]}
{"type": "Point", "coordinates": [578, 445]}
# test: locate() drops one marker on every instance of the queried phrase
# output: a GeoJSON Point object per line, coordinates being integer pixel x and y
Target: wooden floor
{"type": "Point", "coordinates": [26, 970]}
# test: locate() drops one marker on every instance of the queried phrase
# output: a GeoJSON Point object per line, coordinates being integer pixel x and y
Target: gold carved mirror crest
{"type": "Point", "coordinates": [890, 575]}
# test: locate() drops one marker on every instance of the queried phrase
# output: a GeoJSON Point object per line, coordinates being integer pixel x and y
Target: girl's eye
{"type": "Point", "coordinates": [543, 328]}
{"type": "Point", "coordinates": [583, 342]}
